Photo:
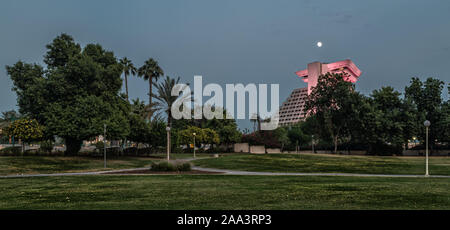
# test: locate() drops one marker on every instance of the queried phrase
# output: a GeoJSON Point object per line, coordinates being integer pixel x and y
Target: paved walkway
{"type": "Point", "coordinates": [226, 172]}
{"type": "Point", "coordinates": [236, 172]}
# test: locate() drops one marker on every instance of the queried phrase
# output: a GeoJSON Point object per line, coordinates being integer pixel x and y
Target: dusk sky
{"type": "Point", "coordinates": [239, 41]}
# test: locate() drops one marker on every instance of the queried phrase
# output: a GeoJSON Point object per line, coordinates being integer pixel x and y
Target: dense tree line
{"type": "Point", "coordinates": [78, 92]}
{"type": "Point", "coordinates": [381, 123]}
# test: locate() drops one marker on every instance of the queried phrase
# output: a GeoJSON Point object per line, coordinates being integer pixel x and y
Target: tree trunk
{"type": "Point", "coordinates": [126, 86]}
{"type": "Point", "coordinates": [73, 146]}
{"type": "Point", "coordinates": [169, 118]}
{"type": "Point", "coordinates": [335, 144]}
{"type": "Point", "coordinates": [150, 80]}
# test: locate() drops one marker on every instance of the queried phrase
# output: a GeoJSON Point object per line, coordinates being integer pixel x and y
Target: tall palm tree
{"type": "Point", "coordinates": [149, 71]}
{"type": "Point", "coordinates": [165, 100]}
{"type": "Point", "coordinates": [127, 69]}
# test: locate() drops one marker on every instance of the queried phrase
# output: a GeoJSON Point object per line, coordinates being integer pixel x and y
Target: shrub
{"type": "Point", "coordinates": [177, 149]}
{"type": "Point", "coordinates": [169, 167]}
{"type": "Point", "coordinates": [113, 151]}
{"type": "Point", "coordinates": [99, 145]}
{"type": "Point", "coordinates": [11, 151]}
{"type": "Point", "coordinates": [266, 138]}
{"type": "Point", "coordinates": [381, 149]}
{"type": "Point", "coordinates": [184, 167]}
{"type": "Point", "coordinates": [46, 146]}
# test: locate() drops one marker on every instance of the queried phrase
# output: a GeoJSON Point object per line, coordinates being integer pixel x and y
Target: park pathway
{"type": "Point", "coordinates": [244, 173]}
{"type": "Point", "coordinates": [223, 172]}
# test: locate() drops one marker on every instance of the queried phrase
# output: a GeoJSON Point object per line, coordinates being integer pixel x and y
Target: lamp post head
{"type": "Point", "coordinates": [427, 123]}
{"type": "Point", "coordinates": [167, 128]}
{"type": "Point", "coordinates": [193, 134]}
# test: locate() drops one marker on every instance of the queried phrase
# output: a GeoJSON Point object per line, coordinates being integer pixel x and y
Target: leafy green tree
{"type": "Point", "coordinates": [211, 136]}
{"type": "Point", "coordinates": [76, 95]}
{"type": "Point", "coordinates": [127, 68]}
{"type": "Point", "coordinates": [427, 97]}
{"type": "Point", "coordinates": [408, 117]}
{"type": "Point", "coordinates": [158, 133]}
{"type": "Point", "coordinates": [444, 123]}
{"type": "Point", "coordinates": [383, 121]}
{"type": "Point", "coordinates": [60, 51]}
{"type": "Point", "coordinates": [26, 130]}
{"type": "Point", "coordinates": [229, 134]}
{"type": "Point", "coordinates": [366, 123]}
{"type": "Point", "coordinates": [140, 131]}
{"type": "Point", "coordinates": [150, 71]}
{"type": "Point", "coordinates": [186, 136]}
{"type": "Point", "coordinates": [297, 135]}
{"type": "Point", "coordinates": [281, 134]}
{"type": "Point", "coordinates": [388, 101]}
{"type": "Point", "coordinates": [331, 102]}
{"type": "Point", "coordinates": [202, 136]}
{"type": "Point", "coordinates": [29, 83]}
{"type": "Point", "coordinates": [6, 119]}
{"type": "Point", "coordinates": [226, 128]}
{"type": "Point", "coordinates": [152, 133]}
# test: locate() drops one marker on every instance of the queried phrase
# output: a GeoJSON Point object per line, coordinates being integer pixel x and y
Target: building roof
{"type": "Point", "coordinates": [335, 66]}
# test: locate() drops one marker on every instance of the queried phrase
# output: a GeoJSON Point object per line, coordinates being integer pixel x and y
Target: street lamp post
{"type": "Point", "coordinates": [427, 124]}
{"type": "Point", "coordinates": [168, 143]}
{"type": "Point", "coordinates": [194, 143]}
{"type": "Point", "coordinates": [312, 143]}
{"type": "Point", "coordinates": [104, 145]}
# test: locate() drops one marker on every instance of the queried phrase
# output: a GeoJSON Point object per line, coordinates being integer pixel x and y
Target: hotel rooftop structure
{"type": "Point", "coordinates": [292, 110]}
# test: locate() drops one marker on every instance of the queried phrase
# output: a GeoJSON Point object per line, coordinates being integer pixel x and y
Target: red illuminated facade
{"type": "Point", "coordinates": [292, 110]}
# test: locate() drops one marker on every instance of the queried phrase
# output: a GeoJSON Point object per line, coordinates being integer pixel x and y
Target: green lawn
{"type": "Point", "coordinates": [41, 164]}
{"type": "Point", "coordinates": [313, 163]}
{"type": "Point", "coordinates": [223, 192]}
{"type": "Point", "coordinates": [10, 165]}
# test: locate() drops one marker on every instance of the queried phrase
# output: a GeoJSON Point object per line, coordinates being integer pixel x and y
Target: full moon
{"type": "Point", "coordinates": [319, 44]}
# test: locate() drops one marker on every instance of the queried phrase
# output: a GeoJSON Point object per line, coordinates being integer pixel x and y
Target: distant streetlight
{"type": "Point", "coordinates": [168, 143]}
{"type": "Point", "coordinates": [427, 124]}
{"type": "Point", "coordinates": [194, 143]}
{"type": "Point", "coordinates": [312, 143]}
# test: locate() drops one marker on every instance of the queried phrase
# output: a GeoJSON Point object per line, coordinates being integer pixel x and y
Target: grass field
{"type": "Point", "coordinates": [34, 165]}
{"type": "Point", "coordinates": [313, 163]}
{"type": "Point", "coordinates": [223, 192]}
{"type": "Point", "coordinates": [57, 164]}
